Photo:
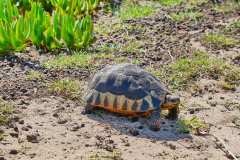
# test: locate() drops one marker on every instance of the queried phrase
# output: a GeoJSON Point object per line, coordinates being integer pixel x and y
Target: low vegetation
{"type": "Point", "coordinates": [228, 7]}
{"type": "Point", "coordinates": [34, 75]}
{"type": "Point", "coordinates": [193, 3]}
{"type": "Point", "coordinates": [48, 25]}
{"type": "Point", "coordinates": [131, 10]}
{"type": "Point", "coordinates": [170, 2]}
{"type": "Point", "coordinates": [84, 61]}
{"type": "Point", "coordinates": [185, 71]}
{"type": "Point", "coordinates": [115, 155]}
{"type": "Point", "coordinates": [77, 60]}
{"type": "Point", "coordinates": [66, 87]}
{"type": "Point", "coordinates": [109, 26]}
{"type": "Point", "coordinates": [234, 27]}
{"type": "Point", "coordinates": [6, 110]}
{"type": "Point", "coordinates": [226, 86]}
{"type": "Point", "coordinates": [219, 41]}
{"type": "Point", "coordinates": [191, 125]}
{"type": "Point", "coordinates": [132, 46]}
{"type": "Point", "coordinates": [187, 15]}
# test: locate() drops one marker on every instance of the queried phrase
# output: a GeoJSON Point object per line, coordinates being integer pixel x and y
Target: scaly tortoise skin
{"type": "Point", "coordinates": [129, 90]}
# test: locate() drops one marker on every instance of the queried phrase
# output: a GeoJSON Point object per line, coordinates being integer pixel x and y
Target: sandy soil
{"type": "Point", "coordinates": [51, 127]}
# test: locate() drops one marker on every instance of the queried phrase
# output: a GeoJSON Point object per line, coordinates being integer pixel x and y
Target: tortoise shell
{"type": "Point", "coordinates": [126, 89]}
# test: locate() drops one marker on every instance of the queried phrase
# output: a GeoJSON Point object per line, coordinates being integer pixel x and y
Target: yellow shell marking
{"type": "Point", "coordinates": [121, 99]}
{"type": "Point", "coordinates": [130, 103]}
{"type": "Point", "coordinates": [102, 97]}
{"type": "Point", "coordinates": [139, 103]}
{"type": "Point", "coordinates": [110, 97]}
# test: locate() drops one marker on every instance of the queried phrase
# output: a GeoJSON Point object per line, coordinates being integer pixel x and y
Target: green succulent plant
{"type": "Point", "coordinates": [46, 24]}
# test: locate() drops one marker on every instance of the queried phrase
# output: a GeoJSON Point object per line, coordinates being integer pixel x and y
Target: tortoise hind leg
{"type": "Point", "coordinates": [173, 113]}
{"type": "Point", "coordinates": [154, 121]}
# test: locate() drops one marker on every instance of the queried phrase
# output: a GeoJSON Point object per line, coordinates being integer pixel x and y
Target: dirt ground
{"type": "Point", "coordinates": [47, 126]}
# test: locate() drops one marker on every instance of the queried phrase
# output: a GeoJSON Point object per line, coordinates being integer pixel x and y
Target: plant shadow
{"type": "Point", "coordinates": [138, 127]}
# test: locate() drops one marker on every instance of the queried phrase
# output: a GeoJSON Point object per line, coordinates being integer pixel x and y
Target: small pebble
{"type": "Point", "coordinates": [62, 121]}
{"type": "Point", "coordinates": [2, 158]}
{"type": "Point", "coordinates": [29, 126]}
{"type": "Point", "coordinates": [127, 144]}
{"type": "Point", "coordinates": [13, 134]}
{"type": "Point", "coordinates": [212, 103]}
{"type": "Point", "coordinates": [25, 128]}
{"type": "Point", "coordinates": [33, 138]}
{"type": "Point", "coordinates": [32, 155]}
{"type": "Point", "coordinates": [21, 121]}
{"type": "Point", "coordinates": [55, 115]}
{"type": "Point", "coordinates": [15, 129]}
{"type": "Point", "coordinates": [191, 112]}
{"type": "Point", "coordinates": [13, 151]}
{"type": "Point", "coordinates": [75, 128]}
{"type": "Point", "coordinates": [16, 118]}
{"type": "Point", "coordinates": [173, 147]}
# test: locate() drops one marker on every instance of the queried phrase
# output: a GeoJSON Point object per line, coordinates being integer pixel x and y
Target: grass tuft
{"type": "Point", "coordinates": [228, 7]}
{"type": "Point", "coordinates": [236, 24]}
{"type": "Point", "coordinates": [219, 41]}
{"type": "Point", "coordinates": [185, 71]}
{"type": "Point", "coordinates": [68, 88]}
{"type": "Point", "coordinates": [188, 15]}
{"type": "Point", "coordinates": [6, 110]}
{"type": "Point", "coordinates": [77, 60]}
{"type": "Point", "coordinates": [115, 155]}
{"type": "Point", "coordinates": [131, 47]}
{"type": "Point", "coordinates": [234, 27]}
{"type": "Point", "coordinates": [191, 125]}
{"type": "Point", "coordinates": [196, 2]}
{"type": "Point", "coordinates": [34, 75]}
{"type": "Point", "coordinates": [170, 3]}
{"type": "Point", "coordinates": [130, 10]}
{"type": "Point", "coordinates": [226, 86]}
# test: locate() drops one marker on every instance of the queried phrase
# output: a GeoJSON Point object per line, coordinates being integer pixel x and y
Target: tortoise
{"type": "Point", "coordinates": [129, 90]}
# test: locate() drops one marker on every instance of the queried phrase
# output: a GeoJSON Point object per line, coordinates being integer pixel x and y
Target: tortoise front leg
{"type": "Point", "coordinates": [173, 113]}
{"type": "Point", "coordinates": [154, 121]}
{"type": "Point", "coordinates": [88, 109]}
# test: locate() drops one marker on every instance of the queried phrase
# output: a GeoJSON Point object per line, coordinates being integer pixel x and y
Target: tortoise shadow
{"type": "Point", "coordinates": [137, 126]}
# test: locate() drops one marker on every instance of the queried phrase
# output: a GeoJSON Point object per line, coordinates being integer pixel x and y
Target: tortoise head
{"type": "Point", "coordinates": [171, 101]}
